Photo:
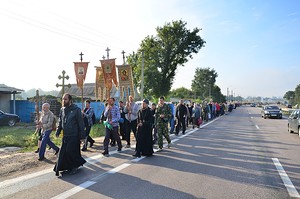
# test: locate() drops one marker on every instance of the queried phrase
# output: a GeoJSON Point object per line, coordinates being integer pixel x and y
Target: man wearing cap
{"type": "Point", "coordinates": [162, 117]}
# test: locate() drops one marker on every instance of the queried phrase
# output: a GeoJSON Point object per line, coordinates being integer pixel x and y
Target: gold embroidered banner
{"type": "Point", "coordinates": [80, 72]}
{"type": "Point", "coordinates": [109, 72]}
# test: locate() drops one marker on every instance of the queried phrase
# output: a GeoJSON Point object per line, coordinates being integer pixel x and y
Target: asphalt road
{"type": "Point", "coordinates": [239, 155]}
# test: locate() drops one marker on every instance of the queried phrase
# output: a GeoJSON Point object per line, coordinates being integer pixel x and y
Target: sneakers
{"type": "Point", "coordinates": [84, 149]}
{"type": "Point", "coordinates": [119, 149]}
{"type": "Point", "coordinates": [38, 149]}
{"type": "Point", "coordinates": [105, 153]}
{"type": "Point", "coordinates": [127, 146]}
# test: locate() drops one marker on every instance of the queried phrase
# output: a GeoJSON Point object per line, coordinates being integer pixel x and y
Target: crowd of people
{"type": "Point", "coordinates": [148, 123]}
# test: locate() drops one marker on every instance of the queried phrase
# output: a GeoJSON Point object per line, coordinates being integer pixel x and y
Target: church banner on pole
{"type": "Point", "coordinates": [80, 72]}
{"type": "Point", "coordinates": [109, 73]}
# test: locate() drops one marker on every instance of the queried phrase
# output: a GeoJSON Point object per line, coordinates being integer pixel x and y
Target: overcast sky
{"type": "Point", "coordinates": [252, 44]}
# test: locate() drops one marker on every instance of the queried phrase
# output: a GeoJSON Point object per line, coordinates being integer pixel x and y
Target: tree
{"type": "Point", "coordinates": [297, 95]}
{"type": "Point", "coordinates": [182, 93]}
{"type": "Point", "coordinates": [173, 46]}
{"type": "Point", "coordinates": [203, 82]}
{"type": "Point", "coordinates": [290, 96]}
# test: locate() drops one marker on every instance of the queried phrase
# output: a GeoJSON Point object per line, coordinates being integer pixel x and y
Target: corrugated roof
{"type": "Point", "coordinates": [9, 90]}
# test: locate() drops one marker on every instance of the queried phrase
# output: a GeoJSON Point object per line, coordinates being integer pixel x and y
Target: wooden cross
{"type": "Point", "coordinates": [63, 77]}
{"type": "Point", "coordinates": [107, 50]}
{"type": "Point", "coordinates": [81, 56]}
{"type": "Point", "coordinates": [37, 99]}
{"type": "Point", "coordinates": [123, 52]}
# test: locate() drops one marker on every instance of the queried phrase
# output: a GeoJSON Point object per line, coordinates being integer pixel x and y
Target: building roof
{"type": "Point", "coordinates": [88, 91]}
{"type": "Point", "coordinates": [9, 90]}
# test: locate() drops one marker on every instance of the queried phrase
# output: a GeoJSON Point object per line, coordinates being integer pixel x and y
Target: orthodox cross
{"type": "Point", "coordinates": [81, 56]}
{"type": "Point", "coordinates": [63, 77]}
{"type": "Point", "coordinates": [107, 50]}
{"type": "Point", "coordinates": [123, 52]}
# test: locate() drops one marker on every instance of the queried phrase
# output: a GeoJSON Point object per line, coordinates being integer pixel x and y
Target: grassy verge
{"type": "Point", "coordinates": [23, 136]}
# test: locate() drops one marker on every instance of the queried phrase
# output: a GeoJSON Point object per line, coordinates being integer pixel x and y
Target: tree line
{"type": "Point", "coordinates": [293, 97]}
{"type": "Point", "coordinates": [161, 55]}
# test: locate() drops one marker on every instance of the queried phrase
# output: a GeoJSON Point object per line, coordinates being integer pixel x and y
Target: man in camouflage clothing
{"type": "Point", "coordinates": [162, 117]}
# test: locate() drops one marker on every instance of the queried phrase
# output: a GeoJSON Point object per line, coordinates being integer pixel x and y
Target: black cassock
{"type": "Point", "coordinates": [144, 145]}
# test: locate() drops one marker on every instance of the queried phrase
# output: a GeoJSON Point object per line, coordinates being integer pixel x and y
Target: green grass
{"type": "Point", "coordinates": [23, 136]}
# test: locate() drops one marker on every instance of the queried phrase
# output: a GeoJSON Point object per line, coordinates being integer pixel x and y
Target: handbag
{"type": "Point", "coordinates": [200, 121]}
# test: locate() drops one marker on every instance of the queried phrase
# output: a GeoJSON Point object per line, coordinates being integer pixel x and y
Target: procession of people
{"type": "Point", "coordinates": [149, 123]}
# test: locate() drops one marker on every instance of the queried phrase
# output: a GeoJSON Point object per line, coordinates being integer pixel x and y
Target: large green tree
{"type": "Point", "coordinates": [297, 95]}
{"type": "Point", "coordinates": [203, 82]}
{"type": "Point", "coordinates": [290, 96]}
{"type": "Point", "coordinates": [173, 46]}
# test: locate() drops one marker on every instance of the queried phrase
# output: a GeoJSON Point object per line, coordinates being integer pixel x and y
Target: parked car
{"type": "Point", "coordinates": [289, 106]}
{"type": "Point", "coordinates": [271, 112]}
{"type": "Point", "coordinates": [294, 122]}
{"type": "Point", "coordinates": [253, 105]}
{"type": "Point", "coordinates": [8, 119]}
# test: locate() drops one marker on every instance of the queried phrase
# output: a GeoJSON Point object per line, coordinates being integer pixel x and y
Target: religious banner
{"type": "Point", "coordinates": [99, 90]}
{"type": "Point", "coordinates": [125, 81]}
{"type": "Point", "coordinates": [80, 72]}
{"type": "Point", "coordinates": [109, 72]}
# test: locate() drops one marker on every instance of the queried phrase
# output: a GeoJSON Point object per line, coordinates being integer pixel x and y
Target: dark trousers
{"type": "Point", "coordinates": [130, 126]}
{"type": "Point", "coordinates": [122, 130]}
{"type": "Point", "coordinates": [88, 138]}
{"type": "Point", "coordinates": [181, 124]}
{"type": "Point", "coordinates": [115, 134]}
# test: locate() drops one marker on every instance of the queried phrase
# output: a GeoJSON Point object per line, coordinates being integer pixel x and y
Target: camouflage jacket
{"type": "Point", "coordinates": [166, 110]}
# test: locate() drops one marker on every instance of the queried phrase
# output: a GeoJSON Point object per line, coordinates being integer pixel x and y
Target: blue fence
{"type": "Point", "coordinates": [26, 109]}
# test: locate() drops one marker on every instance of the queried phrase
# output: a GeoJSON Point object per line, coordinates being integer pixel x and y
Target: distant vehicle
{"type": "Point", "coordinates": [271, 112]}
{"type": "Point", "coordinates": [253, 105]}
{"type": "Point", "coordinates": [8, 119]}
{"type": "Point", "coordinates": [294, 121]}
{"type": "Point", "coordinates": [289, 106]}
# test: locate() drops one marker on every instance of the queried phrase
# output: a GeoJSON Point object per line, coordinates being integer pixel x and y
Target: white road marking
{"type": "Point", "coordinates": [89, 183]}
{"type": "Point", "coordinates": [74, 190]}
{"type": "Point", "coordinates": [257, 126]}
{"type": "Point", "coordinates": [286, 180]}
{"type": "Point", "coordinates": [6, 183]}
{"type": "Point", "coordinates": [90, 160]}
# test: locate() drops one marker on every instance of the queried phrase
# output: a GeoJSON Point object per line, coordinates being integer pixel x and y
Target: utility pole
{"type": "Point", "coordinates": [142, 83]}
{"type": "Point", "coordinates": [63, 77]}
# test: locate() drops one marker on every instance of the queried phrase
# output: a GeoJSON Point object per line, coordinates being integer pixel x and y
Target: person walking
{"type": "Point", "coordinates": [122, 125]}
{"type": "Point", "coordinates": [154, 129]}
{"type": "Point", "coordinates": [131, 110]}
{"type": "Point", "coordinates": [88, 113]}
{"type": "Point", "coordinates": [144, 145]}
{"type": "Point", "coordinates": [112, 113]}
{"type": "Point", "coordinates": [181, 114]}
{"type": "Point", "coordinates": [45, 124]}
{"type": "Point", "coordinates": [162, 116]}
{"type": "Point", "coordinates": [70, 121]}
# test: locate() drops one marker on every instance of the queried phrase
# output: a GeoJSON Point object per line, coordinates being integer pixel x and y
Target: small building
{"type": "Point", "coordinates": [7, 94]}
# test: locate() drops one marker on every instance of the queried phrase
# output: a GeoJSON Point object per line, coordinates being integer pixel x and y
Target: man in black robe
{"type": "Point", "coordinates": [144, 144]}
{"type": "Point", "coordinates": [71, 122]}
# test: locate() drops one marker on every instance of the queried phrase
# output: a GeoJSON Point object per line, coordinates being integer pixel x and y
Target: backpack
{"type": "Point", "coordinates": [54, 123]}
{"type": "Point", "coordinates": [94, 118]}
